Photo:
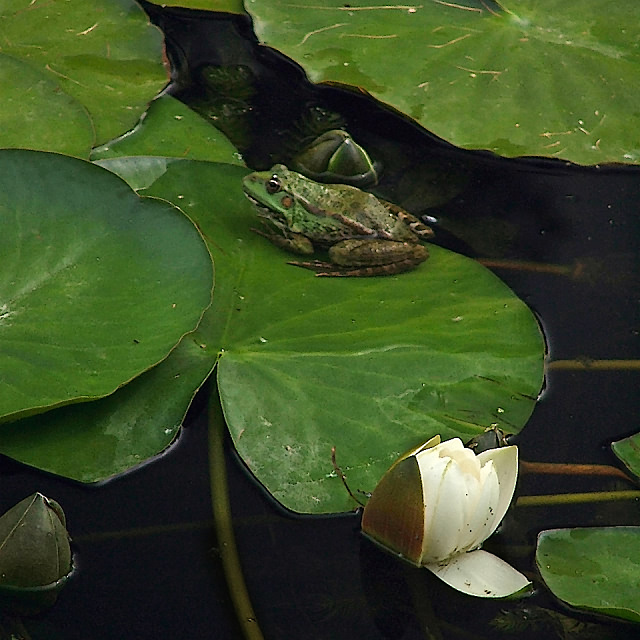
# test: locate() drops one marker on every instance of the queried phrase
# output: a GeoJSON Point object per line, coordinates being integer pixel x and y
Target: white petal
{"type": "Point", "coordinates": [449, 447]}
{"type": "Point", "coordinates": [432, 470]}
{"type": "Point", "coordinates": [425, 446]}
{"type": "Point", "coordinates": [468, 461]}
{"type": "Point", "coordinates": [505, 462]}
{"type": "Point", "coordinates": [478, 573]}
{"type": "Point", "coordinates": [445, 497]}
{"type": "Point", "coordinates": [433, 442]}
{"type": "Point", "coordinates": [480, 518]}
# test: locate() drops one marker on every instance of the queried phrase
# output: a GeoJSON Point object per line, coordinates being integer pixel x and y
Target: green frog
{"type": "Point", "coordinates": [364, 235]}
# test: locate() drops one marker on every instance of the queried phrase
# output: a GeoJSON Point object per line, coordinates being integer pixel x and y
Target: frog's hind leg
{"type": "Point", "coordinates": [314, 265]}
{"type": "Point", "coordinates": [417, 226]}
{"type": "Point", "coordinates": [331, 270]}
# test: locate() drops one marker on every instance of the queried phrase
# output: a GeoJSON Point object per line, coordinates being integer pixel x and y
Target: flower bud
{"type": "Point", "coordinates": [435, 507]}
{"type": "Point", "coordinates": [35, 554]}
{"type": "Point", "coordinates": [336, 157]}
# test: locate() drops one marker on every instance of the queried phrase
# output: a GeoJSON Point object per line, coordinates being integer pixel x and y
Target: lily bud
{"type": "Point", "coordinates": [336, 157]}
{"type": "Point", "coordinates": [35, 555]}
{"type": "Point", "coordinates": [435, 507]}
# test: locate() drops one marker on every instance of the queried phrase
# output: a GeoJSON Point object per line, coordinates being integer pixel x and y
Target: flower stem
{"type": "Point", "coordinates": [224, 525]}
{"type": "Point", "coordinates": [572, 469]}
{"type": "Point", "coordinates": [573, 271]}
{"type": "Point", "coordinates": [576, 498]}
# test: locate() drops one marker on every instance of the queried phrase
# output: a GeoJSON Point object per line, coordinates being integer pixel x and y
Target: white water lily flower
{"type": "Point", "coordinates": [436, 506]}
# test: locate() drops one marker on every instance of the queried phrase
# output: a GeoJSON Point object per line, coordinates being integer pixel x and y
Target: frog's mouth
{"type": "Point", "coordinates": [267, 214]}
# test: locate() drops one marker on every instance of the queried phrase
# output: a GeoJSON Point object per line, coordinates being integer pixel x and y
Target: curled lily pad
{"type": "Point", "coordinates": [35, 554]}
{"type": "Point", "coordinates": [169, 129]}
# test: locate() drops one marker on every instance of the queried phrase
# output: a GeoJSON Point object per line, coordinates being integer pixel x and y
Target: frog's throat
{"type": "Point", "coordinates": [269, 215]}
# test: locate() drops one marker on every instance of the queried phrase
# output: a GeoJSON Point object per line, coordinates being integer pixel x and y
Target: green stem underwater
{"type": "Point", "coordinates": [576, 498]}
{"type": "Point", "coordinates": [224, 525]}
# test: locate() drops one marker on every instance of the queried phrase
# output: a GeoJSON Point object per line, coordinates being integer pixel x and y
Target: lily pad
{"type": "Point", "coordinates": [113, 434]}
{"type": "Point", "coordinates": [628, 451]}
{"type": "Point", "coordinates": [37, 114]}
{"type": "Point", "coordinates": [526, 77]}
{"type": "Point", "coordinates": [372, 366]}
{"type": "Point", "coordinates": [139, 172]}
{"type": "Point", "coordinates": [106, 55]}
{"type": "Point", "coordinates": [171, 130]}
{"type": "Point", "coordinates": [594, 569]}
{"type": "Point", "coordinates": [307, 363]}
{"type": "Point", "coordinates": [98, 285]}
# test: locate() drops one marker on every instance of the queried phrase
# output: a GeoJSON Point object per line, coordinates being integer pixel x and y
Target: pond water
{"type": "Point", "coordinates": [566, 240]}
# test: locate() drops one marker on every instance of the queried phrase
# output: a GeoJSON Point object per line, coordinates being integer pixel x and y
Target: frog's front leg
{"type": "Point", "coordinates": [292, 242]}
{"type": "Point", "coordinates": [368, 257]}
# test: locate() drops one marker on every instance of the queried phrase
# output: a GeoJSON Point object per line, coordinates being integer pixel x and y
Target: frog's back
{"type": "Point", "coordinates": [384, 218]}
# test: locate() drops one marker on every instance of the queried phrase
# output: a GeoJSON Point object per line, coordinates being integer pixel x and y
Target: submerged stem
{"type": "Point", "coordinates": [571, 469]}
{"type": "Point", "coordinates": [576, 498]}
{"type": "Point", "coordinates": [224, 525]}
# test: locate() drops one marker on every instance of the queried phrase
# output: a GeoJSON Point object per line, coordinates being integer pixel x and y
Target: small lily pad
{"type": "Point", "coordinates": [594, 569]}
{"type": "Point", "coordinates": [628, 451]}
{"type": "Point", "coordinates": [171, 130]}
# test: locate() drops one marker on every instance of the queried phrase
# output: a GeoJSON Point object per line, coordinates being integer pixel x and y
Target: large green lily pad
{"type": "Point", "coordinates": [104, 54]}
{"type": "Point", "coordinates": [535, 77]}
{"type": "Point", "coordinates": [593, 569]}
{"type": "Point", "coordinates": [97, 284]}
{"type": "Point", "coordinates": [371, 366]}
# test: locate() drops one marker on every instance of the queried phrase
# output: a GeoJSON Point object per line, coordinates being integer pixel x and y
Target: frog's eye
{"type": "Point", "coordinates": [273, 184]}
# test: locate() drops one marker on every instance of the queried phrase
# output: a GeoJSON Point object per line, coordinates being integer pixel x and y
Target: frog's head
{"type": "Point", "coordinates": [273, 192]}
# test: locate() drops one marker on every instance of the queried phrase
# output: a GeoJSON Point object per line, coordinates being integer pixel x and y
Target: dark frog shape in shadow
{"type": "Point", "coordinates": [364, 235]}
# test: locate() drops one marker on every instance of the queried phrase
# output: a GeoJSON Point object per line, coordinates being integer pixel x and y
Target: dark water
{"type": "Point", "coordinates": [147, 565]}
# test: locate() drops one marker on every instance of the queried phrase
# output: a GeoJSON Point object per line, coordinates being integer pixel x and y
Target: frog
{"type": "Point", "coordinates": [363, 235]}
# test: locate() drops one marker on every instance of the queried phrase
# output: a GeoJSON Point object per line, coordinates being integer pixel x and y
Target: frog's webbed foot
{"type": "Point", "coordinates": [331, 270]}
{"type": "Point", "coordinates": [423, 231]}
